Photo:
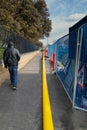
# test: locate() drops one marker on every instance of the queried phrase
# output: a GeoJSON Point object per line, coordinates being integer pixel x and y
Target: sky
{"type": "Point", "coordinates": [64, 14]}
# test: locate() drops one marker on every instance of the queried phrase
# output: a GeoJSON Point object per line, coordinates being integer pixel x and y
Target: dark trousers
{"type": "Point", "coordinates": [13, 70]}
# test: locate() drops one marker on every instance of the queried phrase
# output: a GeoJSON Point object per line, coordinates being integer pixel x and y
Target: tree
{"type": "Point", "coordinates": [45, 21]}
{"type": "Point", "coordinates": [28, 18]}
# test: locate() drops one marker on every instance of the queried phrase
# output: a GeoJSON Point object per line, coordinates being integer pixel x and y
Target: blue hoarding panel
{"type": "Point", "coordinates": [72, 44]}
{"type": "Point", "coordinates": [65, 66]}
{"type": "Point", "coordinates": [51, 49]}
{"type": "Point", "coordinates": [84, 45]}
{"type": "Point", "coordinates": [69, 56]}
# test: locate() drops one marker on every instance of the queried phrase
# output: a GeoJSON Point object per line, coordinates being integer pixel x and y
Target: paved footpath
{"type": "Point", "coordinates": [64, 117]}
{"type": "Point", "coordinates": [22, 109]}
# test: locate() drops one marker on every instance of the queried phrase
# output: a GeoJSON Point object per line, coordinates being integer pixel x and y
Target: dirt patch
{"type": "Point", "coordinates": [4, 74]}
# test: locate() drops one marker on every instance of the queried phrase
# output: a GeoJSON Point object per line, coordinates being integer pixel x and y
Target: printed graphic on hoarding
{"type": "Point", "coordinates": [81, 89]}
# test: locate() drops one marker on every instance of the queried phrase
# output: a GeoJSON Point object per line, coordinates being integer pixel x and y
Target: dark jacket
{"type": "Point", "coordinates": [11, 56]}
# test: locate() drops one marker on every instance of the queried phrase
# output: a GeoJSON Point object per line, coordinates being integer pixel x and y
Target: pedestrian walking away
{"type": "Point", "coordinates": [11, 57]}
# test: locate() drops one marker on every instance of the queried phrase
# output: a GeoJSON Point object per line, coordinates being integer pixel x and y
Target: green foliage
{"type": "Point", "coordinates": [1, 53]}
{"type": "Point", "coordinates": [28, 18]}
{"type": "Point", "coordinates": [45, 21]}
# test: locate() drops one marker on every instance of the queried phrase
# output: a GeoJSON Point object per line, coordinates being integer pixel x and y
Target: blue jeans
{"type": "Point", "coordinates": [13, 70]}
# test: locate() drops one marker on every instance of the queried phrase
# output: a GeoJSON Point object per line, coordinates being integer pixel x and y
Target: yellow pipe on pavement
{"type": "Point", "coordinates": [47, 114]}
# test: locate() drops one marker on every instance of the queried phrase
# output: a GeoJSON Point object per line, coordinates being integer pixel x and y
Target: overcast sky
{"type": "Point", "coordinates": [64, 14]}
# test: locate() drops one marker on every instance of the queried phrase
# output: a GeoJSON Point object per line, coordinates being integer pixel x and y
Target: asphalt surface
{"type": "Point", "coordinates": [64, 116]}
{"type": "Point", "coordinates": [22, 109]}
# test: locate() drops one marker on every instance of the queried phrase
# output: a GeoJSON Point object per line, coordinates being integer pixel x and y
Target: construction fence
{"type": "Point", "coordinates": [69, 55]}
